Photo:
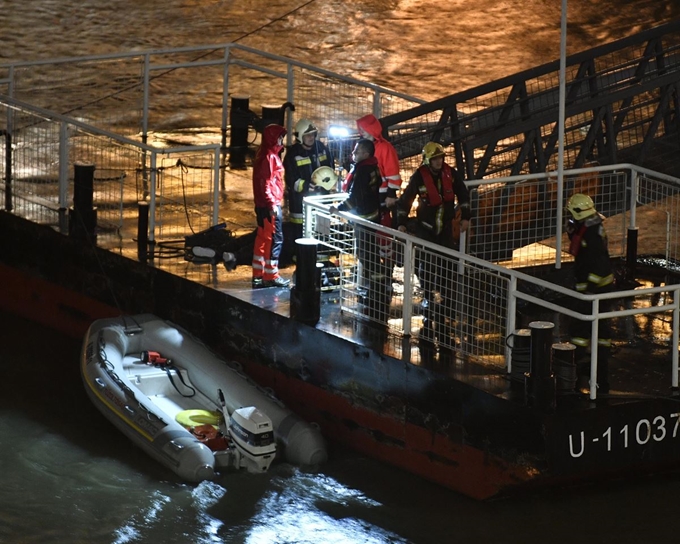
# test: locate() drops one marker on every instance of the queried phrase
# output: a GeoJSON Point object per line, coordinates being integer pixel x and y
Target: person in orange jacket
{"type": "Point", "coordinates": [268, 190]}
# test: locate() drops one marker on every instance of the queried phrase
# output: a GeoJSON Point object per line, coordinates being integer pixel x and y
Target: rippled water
{"type": "Point", "coordinates": [425, 48]}
{"type": "Point", "coordinates": [66, 476]}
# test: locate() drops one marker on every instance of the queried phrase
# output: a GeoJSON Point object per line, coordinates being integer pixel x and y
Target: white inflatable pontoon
{"type": "Point", "coordinates": [188, 409]}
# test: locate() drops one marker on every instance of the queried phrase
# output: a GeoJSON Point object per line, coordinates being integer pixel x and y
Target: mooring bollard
{"type": "Point", "coordinates": [83, 215]}
{"type": "Point", "coordinates": [564, 365]}
{"type": "Point", "coordinates": [305, 296]}
{"type": "Point", "coordinates": [540, 381]}
{"type": "Point", "coordinates": [519, 355]}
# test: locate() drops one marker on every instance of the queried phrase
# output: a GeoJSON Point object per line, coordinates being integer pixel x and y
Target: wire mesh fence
{"type": "Point", "coordinates": [39, 163]}
{"type": "Point", "coordinates": [450, 301]}
{"type": "Point", "coordinates": [621, 106]}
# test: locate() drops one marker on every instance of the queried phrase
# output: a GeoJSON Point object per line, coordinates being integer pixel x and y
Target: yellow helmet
{"type": "Point", "coordinates": [432, 150]}
{"type": "Point", "coordinates": [325, 177]}
{"type": "Point", "coordinates": [581, 206]}
{"type": "Point", "coordinates": [304, 126]}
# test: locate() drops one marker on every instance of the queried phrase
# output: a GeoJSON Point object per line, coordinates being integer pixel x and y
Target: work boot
{"type": "Point", "coordinates": [229, 260]}
{"type": "Point", "coordinates": [277, 282]}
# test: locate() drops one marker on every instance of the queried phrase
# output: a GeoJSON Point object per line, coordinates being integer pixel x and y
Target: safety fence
{"type": "Point", "coordinates": [457, 302]}
{"type": "Point", "coordinates": [179, 184]}
{"type": "Point", "coordinates": [141, 119]}
{"type": "Point", "coordinates": [198, 92]}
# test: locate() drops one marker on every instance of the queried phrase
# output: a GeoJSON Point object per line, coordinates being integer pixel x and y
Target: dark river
{"type": "Point", "coordinates": [66, 476]}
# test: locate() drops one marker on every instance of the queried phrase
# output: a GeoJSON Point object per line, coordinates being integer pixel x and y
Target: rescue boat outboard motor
{"type": "Point", "coordinates": [252, 433]}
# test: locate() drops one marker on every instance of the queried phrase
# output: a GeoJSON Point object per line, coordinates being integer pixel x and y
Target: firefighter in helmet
{"type": "Point", "coordinates": [302, 159]}
{"type": "Point", "coordinates": [441, 191]}
{"type": "Point", "coordinates": [592, 275]}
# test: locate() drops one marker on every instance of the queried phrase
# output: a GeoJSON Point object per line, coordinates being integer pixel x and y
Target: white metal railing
{"type": "Point", "coordinates": [483, 312]}
{"type": "Point", "coordinates": [41, 185]}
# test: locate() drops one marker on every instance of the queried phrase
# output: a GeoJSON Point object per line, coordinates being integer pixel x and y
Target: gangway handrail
{"type": "Point", "coordinates": [322, 204]}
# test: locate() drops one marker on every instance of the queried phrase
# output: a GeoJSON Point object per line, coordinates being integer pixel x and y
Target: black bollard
{"type": "Point", "coordinates": [305, 296]}
{"type": "Point", "coordinates": [83, 215]}
{"type": "Point", "coordinates": [272, 115]}
{"type": "Point", "coordinates": [239, 120]}
{"type": "Point", "coordinates": [564, 364]}
{"type": "Point", "coordinates": [519, 356]}
{"type": "Point", "coordinates": [142, 231]}
{"type": "Point", "coordinates": [540, 380]}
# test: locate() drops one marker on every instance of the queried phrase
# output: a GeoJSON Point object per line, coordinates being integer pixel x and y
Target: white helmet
{"type": "Point", "coordinates": [304, 126]}
{"type": "Point", "coordinates": [325, 177]}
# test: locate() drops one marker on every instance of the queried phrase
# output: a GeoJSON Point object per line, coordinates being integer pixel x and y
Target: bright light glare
{"type": "Point", "coordinates": [316, 509]}
{"type": "Point", "coordinates": [336, 131]}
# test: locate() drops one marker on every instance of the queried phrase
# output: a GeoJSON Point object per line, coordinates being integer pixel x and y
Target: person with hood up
{"type": "Point", "coordinates": [268, 190]}
{"type": "Point", "coordinates": [388, 161]}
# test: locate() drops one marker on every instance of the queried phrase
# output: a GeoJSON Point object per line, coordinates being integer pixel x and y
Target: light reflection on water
{"type": "Point", "coordinates": [68, 476]}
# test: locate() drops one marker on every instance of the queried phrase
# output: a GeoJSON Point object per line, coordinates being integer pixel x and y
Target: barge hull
{"type": "Point", "coordinates": [443, 429]}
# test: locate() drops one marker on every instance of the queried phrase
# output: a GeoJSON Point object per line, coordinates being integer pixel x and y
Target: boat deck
{"type": "Point", "coordinates": [640, 365]}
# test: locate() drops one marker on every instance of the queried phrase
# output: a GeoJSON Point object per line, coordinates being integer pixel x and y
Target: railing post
{"type": "Point", "coordinates": [377, 106]}
{"type": "Point", "coordinates": [407, 305]}
{"type": "Point", "coordinates": [152, 203]}
{"type": "Point", "coordinates": [216, 188]}
{"type": "Point", "coordinates": [510, 318]}
{"type": "Point", "coordinates": [63, 177]}
{"type": "Point", "coordinates": [594, 335]}
{"type": "Point", "coordinates": [675, 339]}
{"type": "Point", "coordinates": [223, 127]}
{"type": "Point", "coordinates": [290, 94]}
{"type": "Point", "coordinates": [142, 231]}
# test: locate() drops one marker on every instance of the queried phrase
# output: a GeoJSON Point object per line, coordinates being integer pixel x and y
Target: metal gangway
{"type": "Point", "coordinates": [622, 105]}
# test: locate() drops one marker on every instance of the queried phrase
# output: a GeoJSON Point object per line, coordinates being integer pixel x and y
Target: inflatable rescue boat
{"type": "Point", "coordinates": [191, 411]}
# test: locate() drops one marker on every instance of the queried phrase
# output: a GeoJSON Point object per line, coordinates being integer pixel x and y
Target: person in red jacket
{"type": "Point", "coordinates": [268, 190]}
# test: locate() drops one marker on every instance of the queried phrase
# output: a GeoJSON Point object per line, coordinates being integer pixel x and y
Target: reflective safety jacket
{"type": "Point", "coordinates": [436, 202]}
{"type": "Point", "coordinates": [592, 267]}
{"type": "Point", "coordinates": [300, 163]}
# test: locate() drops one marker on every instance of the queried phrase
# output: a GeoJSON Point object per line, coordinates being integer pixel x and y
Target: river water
{"type": "Point", "coordinates": [66, 476]}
